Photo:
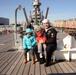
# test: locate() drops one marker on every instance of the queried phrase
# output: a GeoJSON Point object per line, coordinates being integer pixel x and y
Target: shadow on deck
{"type": "Point", "coordinates": [11, 63]}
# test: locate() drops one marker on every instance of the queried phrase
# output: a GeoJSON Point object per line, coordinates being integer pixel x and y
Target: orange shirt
{"type": "Point", "coordinates": [39, 35]}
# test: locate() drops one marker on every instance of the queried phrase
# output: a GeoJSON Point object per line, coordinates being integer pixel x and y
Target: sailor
{"type": "Point", "coordinates": [51, 43]}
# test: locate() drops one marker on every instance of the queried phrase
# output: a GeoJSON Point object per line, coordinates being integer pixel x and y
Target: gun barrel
{"type": "Point", "coordinates": [25, 16]}
{"type": "Point", "coordinates": [46, 12]}
{"type": "Point", "coordinates": [36, 16]}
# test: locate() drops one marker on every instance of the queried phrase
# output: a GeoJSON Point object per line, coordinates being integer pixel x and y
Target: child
{"type": "Point", "coordinates": [40, 37]}
{"type": "Point", "coordinates": [28, 44]}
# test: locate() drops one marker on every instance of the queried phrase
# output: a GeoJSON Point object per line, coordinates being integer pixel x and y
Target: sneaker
{"type": "Point", "coordinates": [40, 55]}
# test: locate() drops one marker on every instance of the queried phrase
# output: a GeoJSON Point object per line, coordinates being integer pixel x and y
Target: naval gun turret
{"type": "Point", "coordinates": [36, 15]}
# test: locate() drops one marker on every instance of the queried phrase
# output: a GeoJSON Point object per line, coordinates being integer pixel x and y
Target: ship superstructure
{"type": "Point", "coordinates": [36, 15]}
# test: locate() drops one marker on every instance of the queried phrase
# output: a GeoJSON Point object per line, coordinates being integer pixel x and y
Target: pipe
{"type": "Point", "coordinates": [15, 27]}
{"type": "Point", "coordinates": [15, 23]}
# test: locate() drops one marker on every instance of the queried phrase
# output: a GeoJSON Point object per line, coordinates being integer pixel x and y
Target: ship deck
{"type": "Point", "coordinates": [11, 62]}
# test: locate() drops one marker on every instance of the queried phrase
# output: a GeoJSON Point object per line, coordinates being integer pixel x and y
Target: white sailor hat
{"type": "Point", "coordinates": [45, 21]}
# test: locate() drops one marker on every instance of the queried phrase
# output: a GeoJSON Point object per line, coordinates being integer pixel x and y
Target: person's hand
{"type": "Point", "coordinates": [41, 41]}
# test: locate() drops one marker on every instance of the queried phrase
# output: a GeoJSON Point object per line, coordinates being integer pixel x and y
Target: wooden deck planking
{"type": "Point", "coordinates": [6, 42]}
{"type": "Point", "coordinates": [27, 69]}
{"type": "Point", "coordinates": [63, 68]}
{"type": "Point", "coordinates": [14, 57]}
{"type": "Point", "coordinates": [59, 70]}
{"type": "Point", "coordinates": [5, 59]}
{"type": "Point", "coordinates": [48, 70]}
{"type": "Point", "coordinates": [73, 63]}
{"type": "Point", "coordinates": [19, 62]}
{"type": "Point", "coordinates": [3, 54]}
{"type": "Point", "coordinates": [43, 71]}
{"type": "Point", "coordinates": [68, 67]}
{"type": "Point", "coordinates": [21, 69]}
{"type": "Point", "coordinates": [53, 69]}
{"type": "Point", "coordinates": [3, 65]}
{"type": "Point", "coordinates": [32, 69]}
{"type": "Point", "coordinates": [71, 66]}
{"type": "Point", "coordinates": [37, 68]}
{"type": "Point", "coordinates": [13, 65]}
{"type": "Point", "coordinates": [6, 47]}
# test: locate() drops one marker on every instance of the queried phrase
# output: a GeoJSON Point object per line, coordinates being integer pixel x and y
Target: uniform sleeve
{"type": "Point", "coordinates": [24, 42]}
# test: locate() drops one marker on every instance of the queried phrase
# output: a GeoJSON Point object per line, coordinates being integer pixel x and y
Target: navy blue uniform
{"type": "Point", "coordinates": [51, 43]}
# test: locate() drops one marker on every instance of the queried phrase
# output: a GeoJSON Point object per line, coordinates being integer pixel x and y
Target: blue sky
{"type": "Point", "coordinates": [58, 9]}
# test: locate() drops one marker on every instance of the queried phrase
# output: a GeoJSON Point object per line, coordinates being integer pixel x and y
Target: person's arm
{"type": "Point", "coordinates": [24, 42]}
{"type": "Point", "coordinates": [33, 40]}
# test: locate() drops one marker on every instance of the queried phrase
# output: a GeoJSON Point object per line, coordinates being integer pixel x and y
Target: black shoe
{"type": "Point", "coordinates": [42, 60]}
{"type": "Point", "coordinates": [47, 64]}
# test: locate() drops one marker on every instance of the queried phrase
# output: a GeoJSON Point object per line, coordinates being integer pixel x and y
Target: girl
{"type": "Point", "coordinates": [28, 44]}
